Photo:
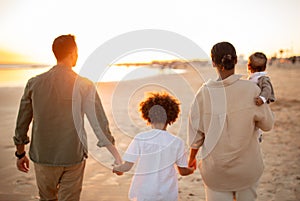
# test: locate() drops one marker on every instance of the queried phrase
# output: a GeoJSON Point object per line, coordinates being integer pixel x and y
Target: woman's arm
{"type": "Point", "coordinates": [192, 160]}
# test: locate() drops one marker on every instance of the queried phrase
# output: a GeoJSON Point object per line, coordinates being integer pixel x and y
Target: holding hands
{"type": "Point", "coordinates": [123, 167]}
{"type": "Point", "coordinates": [193, 163]}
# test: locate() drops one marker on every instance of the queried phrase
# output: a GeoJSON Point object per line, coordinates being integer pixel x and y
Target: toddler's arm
{"type": "Point", "coordinates": [266, 91]}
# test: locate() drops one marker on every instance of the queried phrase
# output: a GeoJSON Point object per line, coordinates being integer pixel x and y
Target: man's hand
{"type": "Point", "coordinates": [23, 164]}
{"type": "Point", "coordinates": [117, 172]}
{"type": "Point", "coordinates": [120, 169]}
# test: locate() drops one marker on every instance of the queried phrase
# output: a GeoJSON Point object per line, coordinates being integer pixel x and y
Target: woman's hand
{"type": "Point", "coordinates": [193, 163]}
{"type": "Point", "coordinates": [192, 159]}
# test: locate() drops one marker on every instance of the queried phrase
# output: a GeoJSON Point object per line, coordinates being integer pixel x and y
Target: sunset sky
{"type": "Point", "coordinates": [28, 27]}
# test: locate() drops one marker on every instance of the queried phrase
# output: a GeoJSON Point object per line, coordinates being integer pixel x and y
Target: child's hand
{"type": "Point", "coordinates": [124, 167]}
{"type": "Point", "coordinates": [117, 172]}
{"type": "Point", "coordinates": [258, 101]}
{"type": "Point", "coordinates": [191, 169]}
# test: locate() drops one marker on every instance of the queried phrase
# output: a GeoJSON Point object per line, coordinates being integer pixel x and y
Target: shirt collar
{"type": "Point", "coordinates": [254, 76]}
{"type": "Point", "coordinates": [223, 83]}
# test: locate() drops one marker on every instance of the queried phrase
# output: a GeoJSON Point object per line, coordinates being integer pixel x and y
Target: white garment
{"type": "Point", "coordinates": [253, 77]}
{"type": "Point", "coordinates": [155, 153]}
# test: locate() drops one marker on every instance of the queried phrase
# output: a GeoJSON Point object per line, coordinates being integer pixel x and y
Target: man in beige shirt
{"type": "Point", "coordinates": [223, 121]}
{"type": "Point", "coordinates": [56, 101]}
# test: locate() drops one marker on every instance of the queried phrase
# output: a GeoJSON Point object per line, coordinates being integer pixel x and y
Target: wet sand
{"type": "Point", "coordinates": [281, 146]}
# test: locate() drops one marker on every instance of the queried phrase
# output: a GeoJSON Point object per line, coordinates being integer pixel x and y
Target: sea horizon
{"type": "Point", "coordinates": [17, 75]}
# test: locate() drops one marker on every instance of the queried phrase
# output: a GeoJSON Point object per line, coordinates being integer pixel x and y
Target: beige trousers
{"type": "Point", "coordinates": [248, 194]}
{"type": "Point", "coordinates": [59, 183]}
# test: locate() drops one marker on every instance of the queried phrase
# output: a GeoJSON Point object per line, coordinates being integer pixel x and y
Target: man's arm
{"type": "Point", "coordinates": [114, 152]}
{"type": "Point", "coordinates": [23, 121]}
{"type": "Point", "coordinates": [22, 163]}
{"type": "Point", "coordinates": [96, 115]}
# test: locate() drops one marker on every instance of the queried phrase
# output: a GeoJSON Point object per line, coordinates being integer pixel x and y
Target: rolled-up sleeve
{"type": "Point", "coordinates": [195, 129]}
{"type": "Point", "coordinates": [24, 117]}
{"type": "Point", "coordinates": [264, 118]}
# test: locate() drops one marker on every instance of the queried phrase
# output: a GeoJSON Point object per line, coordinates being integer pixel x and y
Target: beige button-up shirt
{"type": "Point", "coordinates": [56, 102]}
{"type": "Point", "coordinates": [223, 122]}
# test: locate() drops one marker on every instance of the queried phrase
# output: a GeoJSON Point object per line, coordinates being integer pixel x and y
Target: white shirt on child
{"type": "Point", "coordinates": [253, 77]}
{"type": "Point", "coordinates": [155, 153]}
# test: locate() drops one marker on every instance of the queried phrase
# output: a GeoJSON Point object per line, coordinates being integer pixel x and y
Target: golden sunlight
{"type": "Point", "coordinates": [9, 57]}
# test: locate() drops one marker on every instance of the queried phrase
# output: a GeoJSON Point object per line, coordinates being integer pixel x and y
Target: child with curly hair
{"type": "Point", "coordinates": [156, 152]}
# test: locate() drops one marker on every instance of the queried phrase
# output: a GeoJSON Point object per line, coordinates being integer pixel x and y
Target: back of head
{"type": "Point", "coordinates": [63, 45]}
{"type": "Point", "coordinates": [224, 54]}
{"type": "Point", "coordinates": [258, 62]}
{"type": "Point", "coordinates": [160, 108]}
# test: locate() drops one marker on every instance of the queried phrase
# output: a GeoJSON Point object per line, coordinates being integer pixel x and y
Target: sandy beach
{"type": "Point", "coordinates": [281, 146]}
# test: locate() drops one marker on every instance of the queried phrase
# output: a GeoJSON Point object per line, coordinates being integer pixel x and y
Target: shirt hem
{"type": "Point", "coordinates": [57, 165]}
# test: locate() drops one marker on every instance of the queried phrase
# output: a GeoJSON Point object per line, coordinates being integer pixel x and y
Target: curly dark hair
{"type": "Point", "coordinates": [160, 108]}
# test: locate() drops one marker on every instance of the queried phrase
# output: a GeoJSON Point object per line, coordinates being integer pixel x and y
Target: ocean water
{"type": "Point", "coordinates": [123, 73]}
{"type": "Point", "coordinates": [16, 75]}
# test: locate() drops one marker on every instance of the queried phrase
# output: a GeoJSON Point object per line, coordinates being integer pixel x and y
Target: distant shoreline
{"type": "Point", "coordinates": [23, 66]}
{"type": "Point", "coordinates": [173, 64]}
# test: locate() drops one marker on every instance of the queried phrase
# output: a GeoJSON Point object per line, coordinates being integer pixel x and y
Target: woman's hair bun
{"type": "Point", "coordinates": [226, 58]}
{"type": "Point", "coordinates": [228, 61]}
{"type": "Point", "coordinates": [224, 54]}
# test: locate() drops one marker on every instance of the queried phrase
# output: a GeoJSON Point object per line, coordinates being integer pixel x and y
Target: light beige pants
{"type": "Point", "coordinates": [59, 183]}
{"type": "Point", "coordinates": [248, 194]}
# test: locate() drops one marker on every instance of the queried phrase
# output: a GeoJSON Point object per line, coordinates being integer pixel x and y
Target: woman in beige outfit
{"type": "Point", "coordinates": [224, 122]}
